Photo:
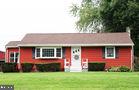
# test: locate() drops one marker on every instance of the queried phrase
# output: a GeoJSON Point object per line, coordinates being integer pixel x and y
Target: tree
{"type": "Point", "coordinates": [109, 16]}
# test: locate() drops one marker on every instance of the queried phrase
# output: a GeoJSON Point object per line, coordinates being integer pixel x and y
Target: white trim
{"type": "Point", "coordinates": [14, 56]}
{"type": "Point", "coordinates": [55, 45]}
{"type": "Point", "coordinates": [113, 52]}
{"type": "Point", "coordinates": [41, 57]}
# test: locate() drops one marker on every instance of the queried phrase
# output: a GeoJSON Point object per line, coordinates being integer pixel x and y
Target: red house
{"type": "Point", "coordinates": [73, 50]}
{"type": "Point", "coordinates": [2, 56]}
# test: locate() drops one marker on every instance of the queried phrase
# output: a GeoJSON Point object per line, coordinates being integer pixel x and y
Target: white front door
{"type": "Point", "coordinates": [75, 59]}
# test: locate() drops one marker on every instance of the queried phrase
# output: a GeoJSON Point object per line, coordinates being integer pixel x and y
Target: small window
{"type": "Point", "coordinates": [109, 52]}
{"type": "Point", "coordinates": [58, 52]}
{"type": "Point", "coordinates": [14, 57]}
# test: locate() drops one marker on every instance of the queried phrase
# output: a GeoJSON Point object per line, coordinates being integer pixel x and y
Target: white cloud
{"type": "Point", "coordinates": [18, 17]}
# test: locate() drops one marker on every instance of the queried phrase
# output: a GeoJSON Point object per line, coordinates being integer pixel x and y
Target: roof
{"type": "Point", "coordinates": [13, 44]}
{"type": "Point", "coordinates": [68, 39]}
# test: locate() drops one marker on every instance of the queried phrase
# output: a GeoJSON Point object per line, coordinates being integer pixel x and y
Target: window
{"type": "Point", "coordinates": [109, 52]}
{"type": "Point", "coordinates": [58, 52]}
{"type": "Point", "coordinates": [48, 52]}
{"type": "Point", "coordinates": [14, 57]}
{"type": "Point", "coordinates": [38, 52]}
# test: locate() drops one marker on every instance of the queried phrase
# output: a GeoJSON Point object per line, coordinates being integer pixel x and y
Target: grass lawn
{"type": "Point", "coordinates": [74, 81]}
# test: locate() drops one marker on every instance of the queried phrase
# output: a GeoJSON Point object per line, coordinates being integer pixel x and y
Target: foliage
{"type": "Point", "coordinates": [9, 67]}
{"type": "Point", "coordinates": [27, 67]}
{"type": "Point", "coordinates": [41, 67]}
{"type": "Point", "coordinates": [96, 66]}
{"type": "Point", "coordinates": [49, 67]}
{"type": "Point", "coordinates": [108, 16]}
{"type": "Point", "coordinates": [113, 69]}
{"type": "Point", "coordinates": [119, 69]}
{"type": "Point", "coordinates": [52, 67]}
{"type": "Point", "coordinates": [124, 69]}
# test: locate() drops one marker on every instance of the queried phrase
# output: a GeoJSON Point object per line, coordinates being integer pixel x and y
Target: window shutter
{"type": "Point", "coordinates": [103, 52]}
{"type": "Point", "coordinates": [33, 53]}
{"type": "Point", "coordinates": [116, 52]}
{"type": "Point", "coordinates": [63, 52]}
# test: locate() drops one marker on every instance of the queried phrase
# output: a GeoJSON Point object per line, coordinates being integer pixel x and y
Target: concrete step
{"type": "Point", "coordinates": [75, 69]}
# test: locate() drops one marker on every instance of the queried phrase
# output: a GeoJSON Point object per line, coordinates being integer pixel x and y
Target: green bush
{"type": "Point", "coordinates": [41, 67]}
{"type": "Point", "coordinates": [53, 67]}
{"type": "Point", "coordinates": [9, 67]}
{"type": "Point", "coordinates": [119, 69]}
{"type": "Point", "coordinates": [96, 66]}
{"type": "Point", "coordinates": [124, 69]}
{"type": "Point", "coordinates": [27, 67]}
{"type": "Point", "coordinates": [49, 67]}
{"type": "Point", "coordinates": [113, 69]}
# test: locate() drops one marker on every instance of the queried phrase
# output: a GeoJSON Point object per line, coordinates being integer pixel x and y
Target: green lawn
{"type": "Point", "coordinates": [72, 81]}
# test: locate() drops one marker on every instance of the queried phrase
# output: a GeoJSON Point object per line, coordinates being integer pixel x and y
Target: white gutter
{"type": "Point", "coordinates": [30, 45]}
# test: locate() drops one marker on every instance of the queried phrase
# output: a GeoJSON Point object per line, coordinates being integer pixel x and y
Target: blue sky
{"type": "Point", "coordinates": [18, 17]}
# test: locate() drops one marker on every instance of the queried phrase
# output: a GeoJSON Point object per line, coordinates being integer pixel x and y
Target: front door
{"type": "Point", "coordinates": [75, 58]}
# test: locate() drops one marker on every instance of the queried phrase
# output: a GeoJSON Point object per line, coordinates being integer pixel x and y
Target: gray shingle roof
{"type": "Point", "coordinates": [67, 39]}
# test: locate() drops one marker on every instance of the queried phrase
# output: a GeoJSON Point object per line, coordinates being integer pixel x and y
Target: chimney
{"type": "Point", "coordinates": [128, 30]}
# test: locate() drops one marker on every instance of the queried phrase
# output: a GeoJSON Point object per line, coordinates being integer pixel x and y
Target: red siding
{"type": "Point", "coordinates": [94, 54]}
{"type": "Point", "coordinates": [26, 56]}
{"type": "Point", "coordinates": [8, 52]}
{"type": "Point", "coordinates": [2, 56]}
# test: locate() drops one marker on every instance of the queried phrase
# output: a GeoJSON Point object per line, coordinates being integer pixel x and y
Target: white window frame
{"type": "Point", "coordinates": [14, 56]}
{"type": "Point", "coordinates": [113, 52]}
{"type": "Point", "coordinates": [41, 57]}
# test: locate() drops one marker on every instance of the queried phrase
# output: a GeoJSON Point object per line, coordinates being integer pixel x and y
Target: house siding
{"type": "Point", "coordinates": [94, 54]}
{"type": "Point", "coordinates": [2, 56]}
{"type": "Point", "coordinates": [8, 50]}
{"type": "Point", "coordinates": [26, 56]}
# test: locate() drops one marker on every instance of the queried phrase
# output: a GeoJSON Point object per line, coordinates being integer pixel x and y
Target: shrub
{"type": "Point", "coordinates": [27, 67]}
{"type": "Point", "coordinates": [96, 66]}
{"type": "Point", "coordinates": [49, 67]}
{"type": "Point", "coordinates": [124, 69]}
{"type": "Point", "coordinates": [41, 67]}
{"type": "Point", "coordinates": [9, 67]}
{"type": "Point", "coordinates": [113, 69]}
{"type": "Point", "coordinates": [119, 69]}
{"type": "Point", "coordinates": [53, 67]}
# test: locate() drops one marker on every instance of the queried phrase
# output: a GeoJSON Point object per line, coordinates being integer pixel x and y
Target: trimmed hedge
{"type": "Point", "coordinates": [49, 67]}
{"type": "Point", "coordinates": [41, 67]}
{"type": "Point", "coordinates": [9, 67]}
{"type": "Point", "coordinates": [27, 67]}
{"type": "Point", "coordinates": [96, 66]}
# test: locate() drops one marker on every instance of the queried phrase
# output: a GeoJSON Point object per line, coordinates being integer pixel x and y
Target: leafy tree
{"type": "Point", "coordinates": [108, 16]}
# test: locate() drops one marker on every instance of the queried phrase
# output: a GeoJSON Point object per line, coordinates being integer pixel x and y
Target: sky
{"type": "Point", "coordinates": [18, 17]}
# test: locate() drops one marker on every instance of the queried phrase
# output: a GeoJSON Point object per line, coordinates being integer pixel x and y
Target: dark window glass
{"type": "Point", "coordinates": [16, 57]}
{"type": "Point", "coordinates": [12, 57]}
{"type": "Point", "coordinates": [38, 52]}
{"type": "Point", "coordinates": [58, 52]}
{"type": "Point", "coordinates": [110, 52]}
{"type": "Point", "coordinates": [47, 52]}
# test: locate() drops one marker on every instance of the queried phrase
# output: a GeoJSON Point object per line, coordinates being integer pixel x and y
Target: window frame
{"type": "Point", "coordinates": [41, 53]}
{"type": "Point", "coordinates": [106, 52]}
{"type": "Point", "coordinates": [14, 61]}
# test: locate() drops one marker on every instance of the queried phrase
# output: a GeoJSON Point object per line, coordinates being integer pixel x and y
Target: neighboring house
{"type": "Point", "coordinates": [2, 59]}
{"type": "Point", "coordinates": [2, 56]}
{"type": "Point", "coordinates": [73, 50]}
